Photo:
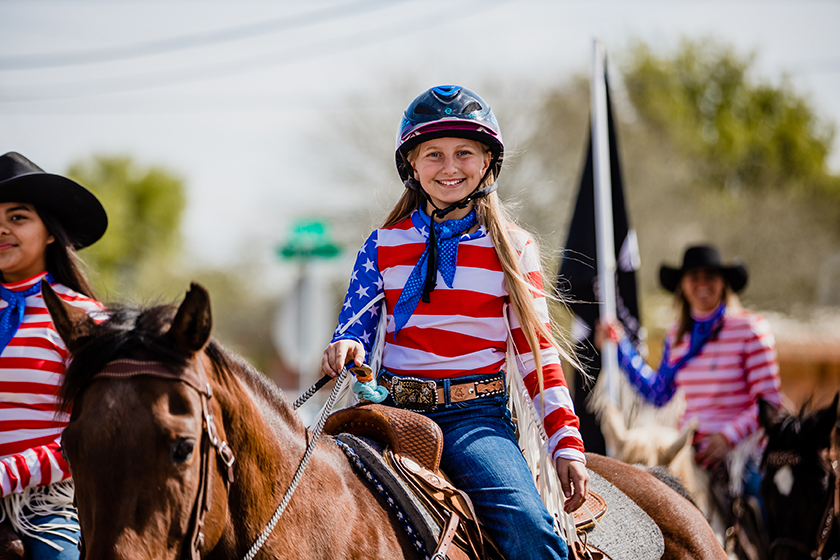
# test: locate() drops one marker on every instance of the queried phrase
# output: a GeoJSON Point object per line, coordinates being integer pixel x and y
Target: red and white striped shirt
{"type": "Point", "coordinates": [723, 381]}
{"type": "Point", "coordinates": [462, 330]}
{"type": "Point", "coordinates": [31, 371]}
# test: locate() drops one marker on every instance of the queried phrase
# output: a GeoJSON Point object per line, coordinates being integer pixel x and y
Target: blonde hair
{"type": "Point", "coordinates": [500, 226]}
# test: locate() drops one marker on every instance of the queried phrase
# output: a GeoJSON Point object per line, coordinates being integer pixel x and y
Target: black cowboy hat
{"type": "Point", "coordinates": [78, 210]}
{"type": "Point", "coordinates": [703, 256]}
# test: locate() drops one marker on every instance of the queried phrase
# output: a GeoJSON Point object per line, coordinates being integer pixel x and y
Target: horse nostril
{"type": "Point", "coordinates": [182, 449]}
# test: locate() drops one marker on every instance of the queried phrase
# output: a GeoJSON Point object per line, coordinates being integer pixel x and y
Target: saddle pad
{"type": "Point", "coordinates": [370, 454]}
{"type": "Point", "coordinates": [628, 532]}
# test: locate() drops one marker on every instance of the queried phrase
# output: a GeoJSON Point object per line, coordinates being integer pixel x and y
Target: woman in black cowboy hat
{"type": "Point", "coordinates": [44, 219]}
{"type": "Point", "coordinates": [720, 355]}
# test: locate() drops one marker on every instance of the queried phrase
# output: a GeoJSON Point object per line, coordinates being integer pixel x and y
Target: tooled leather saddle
{"type": "Point", "coordinates": [399, 451]}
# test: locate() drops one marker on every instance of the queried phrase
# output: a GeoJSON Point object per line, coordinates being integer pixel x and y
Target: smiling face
{"type": "Point", "coordinates": [449, 170]}
{"type": "Point", "coordinates": [703, 289]}
{"type": "Point", "coordinates": [23, 241]}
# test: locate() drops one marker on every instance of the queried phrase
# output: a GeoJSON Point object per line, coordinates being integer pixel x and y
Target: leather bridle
{"type": "Point", "coordinates": [197, 380]}
{"type": "Point", "coordinates": [788, 458]}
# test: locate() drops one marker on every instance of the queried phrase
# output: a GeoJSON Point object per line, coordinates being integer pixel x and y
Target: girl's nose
{"type": "Point", "coordinates": [449, 165]}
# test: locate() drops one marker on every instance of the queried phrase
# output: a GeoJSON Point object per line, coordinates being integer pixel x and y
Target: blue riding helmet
{"type": "Point", "coordinates": [448, 111]}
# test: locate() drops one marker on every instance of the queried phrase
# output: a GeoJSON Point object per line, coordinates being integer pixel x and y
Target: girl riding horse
{"type": "Point", "coordinates": [44, 219]}
{"type": "Point", "coordinates": [462, 286]}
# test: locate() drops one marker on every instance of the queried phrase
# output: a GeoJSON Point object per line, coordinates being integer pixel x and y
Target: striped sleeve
{"type": "Point", "coordinates": [37, 466]}
{"type": "Point", "coordinates": [561, 424]}
{"type": "Point", "coordinates": [31, 370]}
{"type": "Point", "coordinates": [761, 371]}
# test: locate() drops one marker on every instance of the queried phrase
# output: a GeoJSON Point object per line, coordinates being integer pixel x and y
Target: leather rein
{"type": "Point", "coordinates": [826, 521]}
{"type": "Point", "coordinates": [197, 380]}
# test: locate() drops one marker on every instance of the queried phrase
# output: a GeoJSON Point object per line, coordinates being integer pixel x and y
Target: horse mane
{"type": "Point", "coordinates": [672, 481]}
{"type": "Point", "coordinates": [131, 332]}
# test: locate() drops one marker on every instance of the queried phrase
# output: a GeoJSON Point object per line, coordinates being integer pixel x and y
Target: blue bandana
{"type": "Point", "coordinates": [11, 316]}
{"type": "Point", "coordinates": [701, 333]}
{"type": "Point", "coordinates": [440, 255]}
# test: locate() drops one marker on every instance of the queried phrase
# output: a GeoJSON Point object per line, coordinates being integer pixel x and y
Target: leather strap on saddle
{"type": "Point", "coordinates": [406, 433]}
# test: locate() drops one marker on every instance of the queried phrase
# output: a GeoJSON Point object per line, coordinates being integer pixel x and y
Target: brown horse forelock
{"type": "Point", "coordinates": [331, 507]}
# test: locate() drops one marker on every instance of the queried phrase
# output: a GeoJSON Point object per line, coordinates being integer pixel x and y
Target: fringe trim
{"type": "Point", "coordinates": [56, 499]}
{"type": "Point", "coordinates": [533, 442]}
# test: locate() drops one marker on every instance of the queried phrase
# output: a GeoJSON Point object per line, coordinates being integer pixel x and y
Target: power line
{"type": "Point", "coordinates": [195, 40]}
{"type": "Point", "coordinates": [301, 53]}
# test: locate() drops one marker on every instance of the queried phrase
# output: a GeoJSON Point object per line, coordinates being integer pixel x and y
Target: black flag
{"type": "Point", "coordinates": [579, 275]}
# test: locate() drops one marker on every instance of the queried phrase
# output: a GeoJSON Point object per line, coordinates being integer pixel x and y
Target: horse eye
{"type": "Point", "coordinates": [182, 449]}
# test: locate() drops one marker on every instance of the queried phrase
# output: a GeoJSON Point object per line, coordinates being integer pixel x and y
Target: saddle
{"type": "Point", "coordinates": [401, 451]}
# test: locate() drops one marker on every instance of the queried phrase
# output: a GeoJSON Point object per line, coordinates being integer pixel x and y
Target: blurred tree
{"type": "Point", "coordinates": [144, 206]}
{"type": "Point", "coordinates": [745, 133]}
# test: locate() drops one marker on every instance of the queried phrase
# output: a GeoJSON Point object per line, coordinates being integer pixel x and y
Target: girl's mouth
{"type": "Point", "coordinates": [451, 183]}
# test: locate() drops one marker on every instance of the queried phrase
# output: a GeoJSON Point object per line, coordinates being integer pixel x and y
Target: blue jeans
{"type": "Point", "coordinates": [482, 457]}
{"type": "Point", "coordinates": [39, 550]}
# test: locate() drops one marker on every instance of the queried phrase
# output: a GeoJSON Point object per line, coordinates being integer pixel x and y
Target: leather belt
{"type": "Point", "coordinates": [425, 395]}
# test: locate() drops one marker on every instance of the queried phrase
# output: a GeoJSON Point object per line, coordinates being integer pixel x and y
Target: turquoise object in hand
{"type": "Point", "coordinates": [369, 391]}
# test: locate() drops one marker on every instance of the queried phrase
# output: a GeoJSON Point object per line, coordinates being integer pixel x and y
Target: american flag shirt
{"type": "Point", "coordinates": [463, 329]}
{"type": "Point", "coordinates": [723, 382]}
{"type": "Point", "coordinates": [31, 372]}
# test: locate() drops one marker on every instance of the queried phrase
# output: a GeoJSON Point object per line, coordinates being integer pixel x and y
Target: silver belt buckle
{"type": "Point", "coordinates": [417, 395]}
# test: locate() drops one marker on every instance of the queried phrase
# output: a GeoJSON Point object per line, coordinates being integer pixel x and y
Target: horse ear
{"type": "Point", "coordinates": [73, 324]}
{"type": "Point", "coordinates": [684, 438]}
{"type": "Point", "coordinates": [768, 414]}
{"type": "Point", "coordinates": [823, 422]}
{"type": "Point", "coordinates": [192, 323]}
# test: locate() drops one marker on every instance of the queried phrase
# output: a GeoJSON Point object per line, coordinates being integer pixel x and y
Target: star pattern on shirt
{"type": "Point", "coordinates": [366, 283]}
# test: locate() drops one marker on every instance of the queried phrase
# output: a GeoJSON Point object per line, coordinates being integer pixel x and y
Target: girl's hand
{"type": "Point", "coordinates": [611, 330]}
{"type": "Point", "coordinates": [340, 353]}
{"type": "Point", "coordinates": [574, 480]}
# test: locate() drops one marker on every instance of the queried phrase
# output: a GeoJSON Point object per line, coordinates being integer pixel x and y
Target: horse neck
{"type": "Point", "coordinates": [267, 438]}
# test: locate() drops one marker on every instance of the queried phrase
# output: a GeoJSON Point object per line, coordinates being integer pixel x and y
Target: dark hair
{"type": "Point", "coordinates": [61, 258]}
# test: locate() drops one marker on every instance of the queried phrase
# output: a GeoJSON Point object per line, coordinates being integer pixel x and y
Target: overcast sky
{"type": "Point", "coordinates": [224, 93]}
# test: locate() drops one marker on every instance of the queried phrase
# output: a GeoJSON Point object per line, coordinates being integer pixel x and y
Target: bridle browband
{"type": "Point", "coordinates": [790, 458]}
{"type": "Point", "coordinates": [197, 380]}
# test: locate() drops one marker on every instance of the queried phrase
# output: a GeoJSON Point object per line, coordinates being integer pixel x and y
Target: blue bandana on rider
{"type": "Point", "coordinates": [11, 316]}
{"type": "Point", "coordinates": [443, 254]}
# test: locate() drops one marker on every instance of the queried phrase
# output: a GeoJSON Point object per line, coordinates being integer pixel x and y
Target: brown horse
{"type": "Point", "coordinates": [149, 485]}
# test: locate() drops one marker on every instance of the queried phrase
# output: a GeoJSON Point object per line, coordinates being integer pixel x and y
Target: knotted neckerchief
{"type": "Point", "coordinates": [440, 255]}
{"type": "Point", "coordinates": [701, 333]}
{"type": "Point", "coordinates": [11, 316]}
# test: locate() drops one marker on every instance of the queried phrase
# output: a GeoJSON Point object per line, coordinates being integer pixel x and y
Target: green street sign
{"type": "Point", "coordinates": [310, 239]}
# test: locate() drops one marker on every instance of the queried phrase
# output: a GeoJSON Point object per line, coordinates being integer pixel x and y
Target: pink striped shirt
{"type": "Point", "coordinates": [723, 382]}
{"type": "Point", "coordinates": [462, 330]}
{"type": "Point", "coordinates": [31, 371]}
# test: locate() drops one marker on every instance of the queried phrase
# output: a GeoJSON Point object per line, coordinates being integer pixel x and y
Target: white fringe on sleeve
{"type": "Point", "coordinates": [533, 442]}
{"type": "Point", "coordinates": [54, 499]}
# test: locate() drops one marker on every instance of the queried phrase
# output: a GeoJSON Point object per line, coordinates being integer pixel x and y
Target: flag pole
{"type": "Point", "coordinates": [604, 236]}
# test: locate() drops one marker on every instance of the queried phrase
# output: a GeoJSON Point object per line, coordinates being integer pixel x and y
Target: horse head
{"type": "Point", "coordinates": [798, 481]}
{"type": "Point", "coordinates": [136, 441]}
{"type": "Point", "coordinates": [657, 445]}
